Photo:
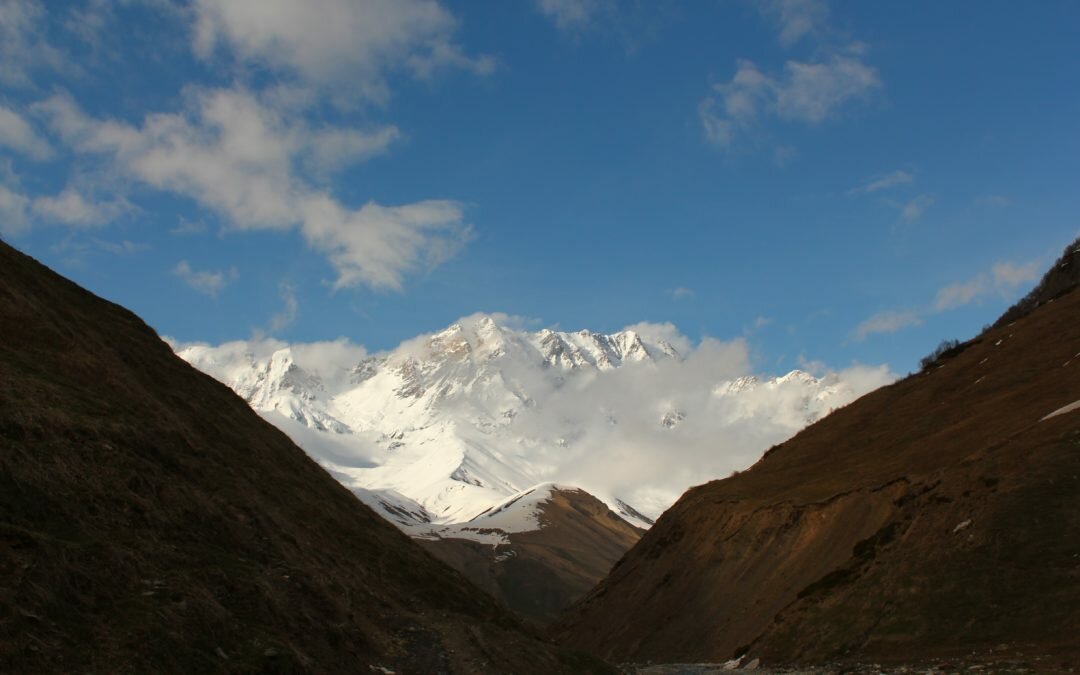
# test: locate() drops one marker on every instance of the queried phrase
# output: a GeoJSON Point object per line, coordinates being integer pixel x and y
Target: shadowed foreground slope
{"type": "Point", "coordinates": [938, 517]}
{"type": "Point", "coordinates": [151, 522]}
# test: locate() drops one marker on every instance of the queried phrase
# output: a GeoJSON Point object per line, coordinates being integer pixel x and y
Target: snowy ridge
{"type": "Point", "coordinates": [519, 513]}
{"type": "Point", "coordinates": [447, 426]}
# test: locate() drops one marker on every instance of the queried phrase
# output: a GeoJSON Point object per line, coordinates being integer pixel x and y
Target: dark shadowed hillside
{"type": "Point", "coordinates": [938, 517]}
{"type": "Point", "coordinates": [151, 522]}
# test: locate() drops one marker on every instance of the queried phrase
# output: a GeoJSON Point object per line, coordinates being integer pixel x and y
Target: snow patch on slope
{"type": "Point", "coordinates": [1061, 411]}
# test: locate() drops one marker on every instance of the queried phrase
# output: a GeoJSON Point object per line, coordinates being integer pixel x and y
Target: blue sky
{"type": "Point", "coordinates": [837, 181]}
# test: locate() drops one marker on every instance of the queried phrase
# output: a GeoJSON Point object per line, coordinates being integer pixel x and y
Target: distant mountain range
{"type": "Point", "coordinates": [449, 425]}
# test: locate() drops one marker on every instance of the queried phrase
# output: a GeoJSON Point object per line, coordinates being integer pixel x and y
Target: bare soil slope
{"type": "Point", "coordinates": [938, 517]}
{"type": "Point", "coordinates": [540, 573]}
{"type": "Point", "coordinates": [151, 522]}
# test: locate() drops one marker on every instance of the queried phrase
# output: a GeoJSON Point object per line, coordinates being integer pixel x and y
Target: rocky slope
{"type": "Point", "coordinates": [151, 522]}
{"type": "Point", "coordinates": [938, 517]}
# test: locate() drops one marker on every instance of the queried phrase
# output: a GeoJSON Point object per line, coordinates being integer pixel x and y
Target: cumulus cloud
{"type": "Point", "coordinates": [1002, 279]}
{"type": "Point", "coordinates": [71, 208]}
{"type": "Point", "coordinates": [375, 244]}
{"type": "Point", "coordinates": [345, 47]}
{"type": "Point", "coordinates": [808, 93]}
{"type": "Point", "coordinates": [796, 18]}
{"type": "Point", "coordinates": [886, 322]}
{"type": "Point", "coordinates": [17, 134]}
{"type": "Point", "coordinates": [237, 156]}
{"type": "Point", "coordinates": [207, 282]}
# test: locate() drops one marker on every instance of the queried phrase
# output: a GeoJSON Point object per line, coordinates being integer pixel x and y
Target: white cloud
{"type": "Point", "coordinates": [235, 155]}
{"type": "Point", "coordinates": [333, 149]}
{"type": "Point", "coordinates": [208, 282]}
{"type": "Point", "coordinates": [812, 91]}
{"type": "Point", "coordinates": [1002, 279]}
{"type": "Point", "coordinates": [375, 244]}
{"type": "Point", "coordinates": [71, 208]}
{"type": "Point", "coordinates": [680, 293]}
{"type": "Point", "coordinates": [291, 307]}
{"type": "Point", "coordinates": [1009, 275]}
{"type": "Point", "coordinates": [960, 294]}
{"type": "Point", "coordinates": [884, 182]}
{"type": "Point", "coordinates": [805, 92]}
{"type": "Point", "coordinates": [885, 322]}
{"type": "Point", "coordinates": [666, 331]}
{"type": "Point", "coordinates": [229, 153]}
{"type": "Point", "coordinates": [796, 18]}
{"type": "Point", "coordinates": [913, 209]}
{"type": "Point", "coordinates": [13, 208]}
{"type": "Point", "coordinates": [345, 47]}
{"type": "Point", "coordinates": [23, 48]}
{"type": "Point", "coordinates": [17, 134]}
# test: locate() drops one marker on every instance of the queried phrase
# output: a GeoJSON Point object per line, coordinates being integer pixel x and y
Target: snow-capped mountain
{"type": "Point", "coordinates": [449, 425]}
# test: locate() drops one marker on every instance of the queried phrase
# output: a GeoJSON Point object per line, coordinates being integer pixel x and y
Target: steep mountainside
{"type": "Point", "coordinates": [936, 517]}
{"type": "Point", "coordinates": [540, 551]}
{"type": "Point", "coordinates": [151, 522]}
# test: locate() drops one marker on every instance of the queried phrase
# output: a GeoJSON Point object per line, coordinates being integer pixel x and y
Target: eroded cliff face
{"type": "Point", "coordinates": [939, 516]}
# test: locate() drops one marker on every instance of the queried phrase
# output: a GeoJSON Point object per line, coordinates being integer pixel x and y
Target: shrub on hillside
{"type": "Point", "coordinates": [947, 349]}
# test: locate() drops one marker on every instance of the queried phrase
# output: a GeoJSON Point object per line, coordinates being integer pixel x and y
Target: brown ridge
{"type": "Point", "coordinates": [540, 573]}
